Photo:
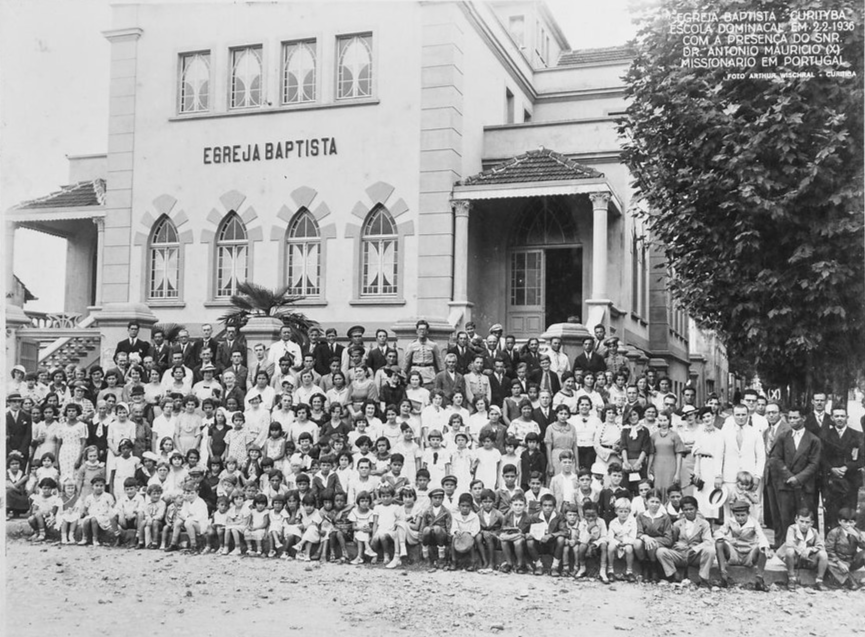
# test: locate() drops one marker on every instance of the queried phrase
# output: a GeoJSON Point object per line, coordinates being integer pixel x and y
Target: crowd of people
{"type": "Point", "coordinates": [295, 450]}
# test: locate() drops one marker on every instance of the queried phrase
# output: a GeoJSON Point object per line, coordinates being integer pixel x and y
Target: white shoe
{"type": "Point", "coordinates": [357, 560]}
{"type": "Point", "coordinates": [393, 563]}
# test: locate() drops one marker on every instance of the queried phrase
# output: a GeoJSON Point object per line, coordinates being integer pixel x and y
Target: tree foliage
{"type": "Point", "coordinates": [753, 189]}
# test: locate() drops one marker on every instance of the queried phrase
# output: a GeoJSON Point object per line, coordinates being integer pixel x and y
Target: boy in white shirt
{"type": "Point", "coordinates": [192, 516]}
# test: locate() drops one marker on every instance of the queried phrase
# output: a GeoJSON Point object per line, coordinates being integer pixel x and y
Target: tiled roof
{"type": "Point", "coordinates": [28, 295]}
{"type": "Point", "coordinates": [593, 56]}
{"type": "Point", "coordinates": [84, 193]}
{"type": "Point", "coordinates": [535, 165]}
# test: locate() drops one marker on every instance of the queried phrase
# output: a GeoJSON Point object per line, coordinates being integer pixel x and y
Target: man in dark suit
{"type": "Point", "coordinates": [841, 465]}
{"type": "Point", "coordinates": [530, 354]}
{"type": "Point", "coordinates": [792, 471]}
{"type": "Point", "coordinates": [160, 351]}
{"type": "Point", "coordinates": [376, 358]}
{"type": "Point", "coordinates": [449, 380]}
{"type": "Point", "coordinates": [186, 348]}
{"type": "Point", "coordinates": [133, 344]}
{"type": "Point", "coordinates": [463, 352]}
{"type": "Point", "coordinates": [326, 351]}
{"type": "Point", "coordinates": [818, 421]}
{"type": "Point", "coordinates": [500, 383]}
{"type": "Point", "coordinates": [233, 342]}
{"type": "Point", "coordinates": [777, 427]}
{"type": "Point", "coordinates": [544, 414]}
{"type": "Point", "coordinates": [511, 356]}
{"type": "Point", "coordinates": [545, 377]}
{"type": "Point", "coordinates": [205, 342]}
{"type": "Point", "coordinates": [19, 428]}
{"type": "Point", "coordinates": [239, 370]}
{"type": "Point", "coordinates": [589, 360]}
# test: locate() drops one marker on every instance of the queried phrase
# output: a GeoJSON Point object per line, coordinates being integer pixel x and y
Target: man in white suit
{"type": "Point", "coordinates": [744, 450]}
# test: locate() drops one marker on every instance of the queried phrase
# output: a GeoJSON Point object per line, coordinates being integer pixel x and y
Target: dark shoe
{"type": "Point", "coordinates": [818, 585]}
{"type": "Point", "coordinates": [852, 584]}
{"type": "Point", "coordinates": [725, 581]}
{"type": "Point", "coordinates": [792, 583]}
{"type": "Point", "coordinates": [506, 568]}
{"type": "Point", "coordinates": [630, 577]}
{"type": "Point", "coordinates": [555, 573]}
{"type": "Point", "coordinates": [522, 570]}
{"type": "Point", "coordinates": [760, 585]}
{"type": "Point", "coordinates": [171, 548]}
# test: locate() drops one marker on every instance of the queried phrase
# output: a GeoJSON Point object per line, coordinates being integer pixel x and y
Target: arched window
{"type": "Point", "coordinates": [232, 256]}
{"type": "Point", "coordinates": [195, 82]}
{"type": "Point", "coordinates": [298, 69]}
{"type": "Point", "coordinates": [354, 77]}
{"type": "Point", "coordinates": [246, 77]}
{"type": "Point", "coordinates": [163, 268]}
{"type": "Point", "coordinates": [379, 243]}
{"type": "Point", "coordinates": [543, 222]}
{"type": "Point", "coordinates": [304, 255]}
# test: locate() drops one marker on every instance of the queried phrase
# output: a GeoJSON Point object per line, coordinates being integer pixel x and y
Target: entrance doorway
{"type": "Point", "coordinates": [545, 273]}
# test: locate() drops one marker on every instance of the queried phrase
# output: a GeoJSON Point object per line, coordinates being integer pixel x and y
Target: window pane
{"type": "Point", "coordinates": [246, 77]}
{"type": "Point", "coordinates": [194, 82]}
{"type": "Point", "coordinates": [354, 75]}
{"type": "Point", "coordinates": [298, 74]}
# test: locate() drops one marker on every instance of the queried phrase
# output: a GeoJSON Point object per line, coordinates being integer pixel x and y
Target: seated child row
{"type": "Point", "coordinates": [303, 523]}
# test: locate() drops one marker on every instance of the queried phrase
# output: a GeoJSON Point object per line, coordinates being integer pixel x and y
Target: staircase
{"type": "Point", "coordinates": [64, 339]}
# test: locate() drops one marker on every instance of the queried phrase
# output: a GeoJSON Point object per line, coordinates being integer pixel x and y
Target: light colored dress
{"type": "Point", "coordinates": [708, 454]}
{"type": "Point", "coordinates": [49, 432]}
{"type": "Point", "coordinates": [187, 427]}
{"type": "Point", "coordinates": [72, 437]}
{"type": "Point", "coordinates": [666, 450]}
{"type": "Point", "coordinates": [560, 438]}
{"type": "Point", "coordinates": [117, 431]}
{"type": "Point", "coordinates": [688, 437]}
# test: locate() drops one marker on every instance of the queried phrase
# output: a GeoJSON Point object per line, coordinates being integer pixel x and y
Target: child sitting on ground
{"type": "Point", "coordinates": [592, 541]}
{"type": "Point", "coordinates": [44, 506]}
{"type": "Point", "coordinates": [621, 535]}
{"type": "Point", "coordinates": [546, 536]}
{"type": "Point", "coordinates": [435, 528]}
{"type": "Point", "coordinates": [845, 547]}
{"type": "Point", "coordinates": [740, 541]}
{"type": "Point", "coordinates": [515, 528]}
{"type": "Point", "coordinates": [608, 497]}
{"type": "Point", "coordinates": [310, 524]}
{"type": "Point", "coordinates": [258, 525]}
{"type": "Point", "coordinates": [466, 526]}
{"type": "Point", "coordinates": [361, 519]}
{"type": "Point", "coordinates": [384, 526]}
{"type": "Point", "coordinates": [491, 525]}
{"type": "Point", "coordinates": [804, 548]}
{"type": "Point", "coordinates": [129, 508]}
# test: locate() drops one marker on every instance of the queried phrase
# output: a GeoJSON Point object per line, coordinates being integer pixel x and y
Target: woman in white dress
{"type": "Point", "coordinates": [708, 461]}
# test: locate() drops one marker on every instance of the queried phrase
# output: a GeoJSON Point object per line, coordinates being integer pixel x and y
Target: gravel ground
{"type": "Point", "coordinates": [87, 591]}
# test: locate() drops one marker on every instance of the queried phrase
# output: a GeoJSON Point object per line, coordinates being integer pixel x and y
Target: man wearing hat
{"type": "Point", "coordinates": [355, 343]}
{"type": "Point", "coordinates": [19, 428]}
{"type": "Point", "coordinates": [423, 355]}
{"type": "Point", "coordinates": [589, 360]}
{"type": "Point", "coordinates": [614, 360]}
{"type": "Point", "coordinates": [498, 331]}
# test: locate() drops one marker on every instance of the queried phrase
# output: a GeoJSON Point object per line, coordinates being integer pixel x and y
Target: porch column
{"type": "Point", "coordinates": [100, 250]}
{"type": "Point", "coordinates": [599, 244]}
{"type": "Point", "coordinates": [11, 226]}
{"type": "Point", "coordinates": [460, 307]}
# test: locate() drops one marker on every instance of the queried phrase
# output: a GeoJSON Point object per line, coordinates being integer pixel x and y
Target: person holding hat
{"type": "Point", "coordinates": [71, 438]}
{"type": "Point", "coordinates": [708, 453]}
{"type": "Point", "coordinates": [19, 427]}
{"type": "Point", "coordinates": [740, 541]}
{"type": "Point", "coordinates": [466, 527]}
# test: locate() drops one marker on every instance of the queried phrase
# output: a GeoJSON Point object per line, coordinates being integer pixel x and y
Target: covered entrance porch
{"type": "Point", "coordinates": [536, 234]}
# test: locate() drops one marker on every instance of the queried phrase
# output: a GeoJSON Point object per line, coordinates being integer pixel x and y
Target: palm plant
{"type": "Point", "coordinates": [170, 330]}
{"type": "Point", "coordinates": [253, 300]}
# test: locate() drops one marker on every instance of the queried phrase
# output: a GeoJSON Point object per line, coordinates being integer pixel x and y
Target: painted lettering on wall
{"type": "Point", "coordinates": [297, 148]}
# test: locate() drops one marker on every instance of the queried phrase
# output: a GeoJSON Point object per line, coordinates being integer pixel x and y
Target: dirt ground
{"type": "Point", "coordinates": [76, 591]}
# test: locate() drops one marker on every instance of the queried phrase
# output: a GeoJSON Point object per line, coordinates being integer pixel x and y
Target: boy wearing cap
{"type": "Point", "coordinates": [740, 541]}
{"type": "Point", "coordinates": [451, 499]}
{"type": "Point", "coordinates": [466, 524]}
{"type": "Point", "coordinates": [435, 527]}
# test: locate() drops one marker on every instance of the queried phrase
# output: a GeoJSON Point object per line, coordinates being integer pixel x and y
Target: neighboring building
{"type": "Point", "coordinates": [387, 161]}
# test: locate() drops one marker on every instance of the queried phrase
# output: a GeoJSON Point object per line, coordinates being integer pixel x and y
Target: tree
{"type": "Point", "coordinates": [255, 300]}
{"type": "Point", "coordinates": [753, 190]}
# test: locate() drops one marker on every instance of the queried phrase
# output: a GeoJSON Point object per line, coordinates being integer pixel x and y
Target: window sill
{"type": "Point", "coordinates": [377, 301]}
{"type": "Point", "coordinates": [218, 303]}
{"type": "Point", "coordinates": [311, 303]}
{"type": "Point", "coordinates": [365, 101]}
{"type": "Point", "coordinates": [639, 319]}
{"type": "Point", "coordinates": [162, 303]}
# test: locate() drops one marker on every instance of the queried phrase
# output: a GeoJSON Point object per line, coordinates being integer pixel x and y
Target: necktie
{"type": "Point", "coordinates": [739, 437]}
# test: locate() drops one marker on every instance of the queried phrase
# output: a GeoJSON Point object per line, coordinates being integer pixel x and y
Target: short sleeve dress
{"type": "Point", "coordinates": [72, 436]}
{"type": "Point", "coordinates": [667, 448]}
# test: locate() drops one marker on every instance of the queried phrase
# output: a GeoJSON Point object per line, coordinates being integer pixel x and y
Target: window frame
{"type": "Point", "coordinates": [181, 57]}
{"type": "Point", "coordinates": [220, 244]}
{"type": "Point", "coordinates": [291, 241]}
{"type": "Point", "coordinates": [312, 45]}
{"type": "Point", "coordinates": [262, 99]}
{"type": "Point", "coordinates": [152, 248]}
{"type": "Point", "coordinates": [338, 97]}
{"type": "Point", "coordinates": [367, 239]}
